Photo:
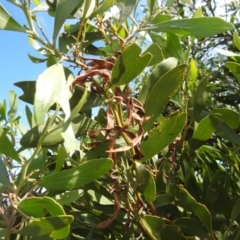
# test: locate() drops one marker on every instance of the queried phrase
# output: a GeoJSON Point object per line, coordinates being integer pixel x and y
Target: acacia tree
{"type": "Point", "coordinates": [157, 159]}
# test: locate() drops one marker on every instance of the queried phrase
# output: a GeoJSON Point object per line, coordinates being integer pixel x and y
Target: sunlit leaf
{"type": "Point", "coordinates": [103, 7]}
{"type": "Point", "coordinates": [163, 135]}
{"type": "Point", "coordinates": [78, 176]}
{"type": "Point", "coordinates": [162, 90]}
{"type": "Point", "coordinates": [8, 23]}
{"type": "Point", "coordinates": [197, 27]}
{"type": "Point", "coordinates": [39, 206]}
{"type": "Point", "coordinates": [129, 65]}
{"type": "Point", "coordinates": [63, 11]}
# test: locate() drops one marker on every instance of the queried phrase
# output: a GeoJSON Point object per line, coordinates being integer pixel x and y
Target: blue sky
{"type": "Point", "coordinates": [15, 65]}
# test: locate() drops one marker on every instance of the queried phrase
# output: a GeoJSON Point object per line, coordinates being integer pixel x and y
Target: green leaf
{"type": "Point", "coordinates": [153, 226]}
{"type": "Point", "coordinates": [47, 225]}
{"type": "Point", "coordinates": [80, 125]}
{"type": "Point", "coordinates": [200, 98]}
{"type": "Point", "coordinates": [235, 69]}
{"type": "Point", "coordinates": [156, 53]}
{"type": "Point", "coordinates": [198, 13]}
{"type": "Point", "coordinates": [5, 184]}
{"type": "Point", "coordinates": [7, 147]}
{"type": "Point", "coordinates": [78, 176]}
{"type": "Point", "coordinates": [30, 117]}
{"type": "Point", "coordinates": [129, 65]}
{"type": "Point", "coordinates": [126, 8]}
{"type": "Point", "coordinates": [88, 7]}
{"type": "Point", "coordinates": [68, 197]}
{"type": "Point", "coordinates": [8, 23]}
{"type": "Point", "coordinates": [161, 136]}
{"type": "Point", "coordinates": [235, 212]}
{"type": "Point", "coordinates": [29, 89]}
{"type": "Point", "coordinates": [198, 209]}
{"type": "Point", "coordinates": [191, 227]}
{"type": "Point", "coordinates": [36, 60]}
{"type": "Point", "coordinates": [61, 157]}
{"type": "Point", "coordinates": [174, 47]}
{"type": "Point", "coordinates": [13, 102]}
{"type": "Point", "coordinates": [196, 27]}
{"type": "Point", "coordinates": [162, 90]}
{"type": "Point", "coordinates": [172, 232]}
{"type": "Point", "coordinates": [63, 11]}
{"type": "Point", "coordinates": [163, 199]}
{"type": "Point", "coordinates": [51, 60]}
{"type": "Point", "coordinates": [151, 5]}
{"type": "Point", "coordinates": [236, 40]}
{"type": "Point", "coordinates": [204, 130]}
{"type": "Point", "coordinates": [215, 189]}
{"type": "Point", "coordinates": [145, 182]}
{"type": "Point", "coordinates": [165, 66]}
{"type": "Point", "coordinates": [159, 18]}
{"type": "Point", "coordinates": [50, 88]}
{"type": "Point", "coordinates": [102, 8]}
{"type": "Point", "coordinates": [169, 3]}
{"type": "Point", "coordinates": [38, 207]}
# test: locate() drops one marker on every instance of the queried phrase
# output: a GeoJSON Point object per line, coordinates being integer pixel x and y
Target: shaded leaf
{"type": "Point", "coordinates": [197, 27]}
{"type": "Point", "coordinates": [156, 53]}
{"type": "Point", "coordinates": [235, 69]}
{"type": "Point", "coordinates": [191, 227]}
{"type": "Point", "coordinates": [7, 147]}
{"type": "Point", "coordinates": [48, 225]}
{"type": "Point", "coordinates": [198, 209]}
{"type": "Point", "coordinates": [80, 125]}
{"type": "Point", "coordinates": [78, 176]}
{"type": "Point", "coordinates": [163, 199]}
{"type": "Point", "coordinates": [36, 60]}
{"type": "Point", "coordinates": [68, 197]}
{"type": "Point", "coordinates": [129, 65]}
{"type": "Point", "coordinates": [172, 232]}
{"type": "Point", "coordinates": [145, 182]}
{"type": "Point", "coordinates": [164, 134]}
{"type": "Point", "coordinates": [5, 184]}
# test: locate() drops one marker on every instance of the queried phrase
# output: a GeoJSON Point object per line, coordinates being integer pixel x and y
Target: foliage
{"type": "Point", "coordinates": [132, 134]}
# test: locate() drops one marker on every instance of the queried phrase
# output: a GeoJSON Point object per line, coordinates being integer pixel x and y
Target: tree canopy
{"type": "Point", "coordinates": [134, 125]}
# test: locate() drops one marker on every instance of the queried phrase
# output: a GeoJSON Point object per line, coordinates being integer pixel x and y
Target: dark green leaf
{"type": "Point", "coordinates": [5, 184]}
{"type": "Point", "coordinates": [163, 199]}
{"type": "Point", "coordinates": [36, 60]}
{"type": "Point", "coordinates": [172, 232]}
{"type": "Point", "coordinates": [68, 197]}
{"type": "Point", "coordinates": [8, 23]}
{"type": "Point", "coordinates": [235, 212]}
{"type": "Point", "coordinates": [47, 225]}
{"type": "Point", "coordinates": [78, 176]}
{"type": "Point", "coordinates": [80, 124]}
{"type": "Point", "coordinates": [197, 27]}
{"type": "Point", "coordinates": [129, 65]}
{"type": "Point", "coordinates": [145, 182]}
{"type": "Point", "coordinates": [163, 89]}
{"type": "Point", "coordinates": [61, 158]}
{"type": "Point", "coordinates": [7, 147]}
{"type": "Point", "coordinates": [198, 209]}
{"type": "Point", "coordinates": [151, 5]}
{"type": "Point", "coordinates": [161, 136]}
{"type": "Point", "coordinates": [191, 227]}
